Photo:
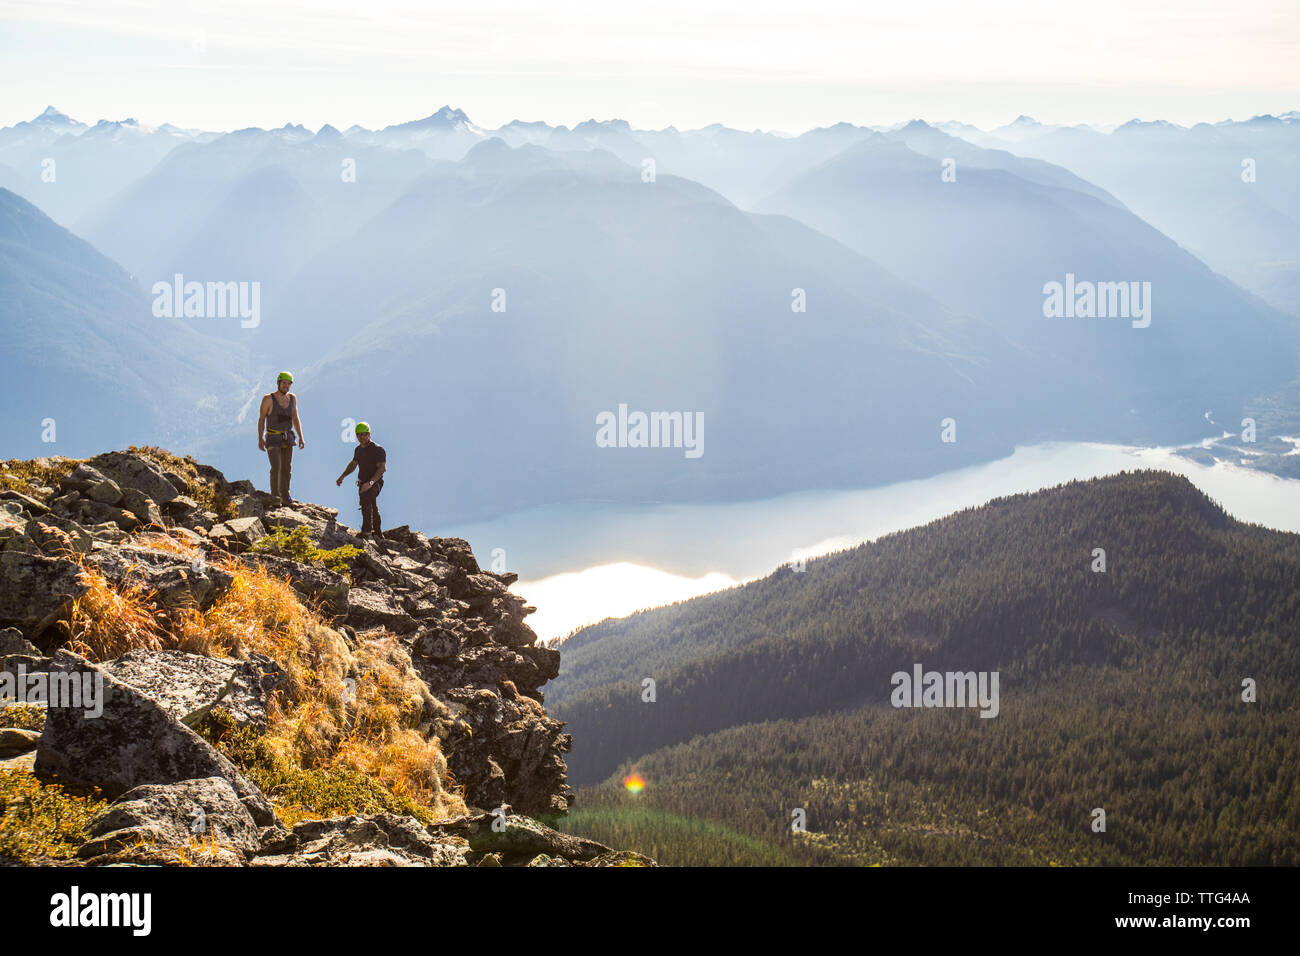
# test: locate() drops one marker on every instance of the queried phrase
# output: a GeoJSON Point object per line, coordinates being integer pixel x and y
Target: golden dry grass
{"type": "Point", "coordinates": [363, 710]}
{"type": "Point", "coordinates": [26, 476]}
{"type": "Point", "coordinates": [164, 541]}
{"type": "Point", "coordinates": [107, 619]}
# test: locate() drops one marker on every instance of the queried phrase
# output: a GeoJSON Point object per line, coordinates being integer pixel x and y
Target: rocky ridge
{"type": "Point", "coordinates": [461, 635]}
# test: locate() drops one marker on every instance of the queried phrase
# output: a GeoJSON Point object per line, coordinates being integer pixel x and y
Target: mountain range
{"type": "Point", "coordinates": [824, 303]}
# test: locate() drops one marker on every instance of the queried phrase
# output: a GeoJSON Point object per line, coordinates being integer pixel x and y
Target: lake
{"type": "Point", "coordinates": [580, 563]}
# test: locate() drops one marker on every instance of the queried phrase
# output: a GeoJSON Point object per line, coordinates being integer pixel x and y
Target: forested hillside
{"type": "Point", "coordinates": [1120, 690]}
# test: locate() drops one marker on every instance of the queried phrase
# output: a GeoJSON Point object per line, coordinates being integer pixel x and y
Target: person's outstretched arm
{"type": "Point", "coordinates": [352, 466]}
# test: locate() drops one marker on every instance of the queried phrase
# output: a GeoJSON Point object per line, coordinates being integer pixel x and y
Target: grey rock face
{"type": "Point", "coordinates": [134, 471]}
{"type": "Point", "coordinates": [81, 479]}
{"type": "Point", "coordinates": [383, 839]}
{"type": "Point", "coordinates": [131, 743]}
{"type": "Point", "coordinates": [106, 492]}
{"type": "Point", "coordinates": [202, 820]}
{"type": "Point", "coordinates": [23, 502]}
{"type": "Point", "coordinates": [184, 685]}
{"type": "Point", "coordinates": [34, 588]}
{"type": "Point", "coordinates": [238, 533]}
{"type": "Point", "coordinates": [249, 697]}
{"type": "Point", "coordinates": [141, 506]}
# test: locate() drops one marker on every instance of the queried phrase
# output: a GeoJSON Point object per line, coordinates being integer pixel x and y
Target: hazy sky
{"type": "Point", "coordinates": [750, 64]}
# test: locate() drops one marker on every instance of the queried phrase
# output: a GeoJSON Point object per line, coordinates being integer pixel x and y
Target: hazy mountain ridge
{"type": "Point", "coordinates": [83, 349]}
{"type": "Point", "coordinates": [657, 293]}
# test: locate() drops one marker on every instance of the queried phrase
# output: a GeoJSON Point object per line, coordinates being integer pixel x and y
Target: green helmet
{"type": "Point", "coordinates": [284, 377]}
{"type": "Point", "coordinates": [363, 428]}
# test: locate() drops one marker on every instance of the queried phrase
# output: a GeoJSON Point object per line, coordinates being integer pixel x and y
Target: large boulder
{"type": "Point", "coordinates": [238, 534]}
{"type": "Point", "coordinates": [181, 507]}
{"type": "Point", "coordinates": [314, 582]}
{"type": "Point", "coordinates": [508, 839]}
{"type": "Point", "coordinates": [290, 518]}
{"type": "Point", "coordinates": [514, 837]}
{"type": "Point", "coordinates": [88, 511]}
{"type": "Point", "coordinates": [511, 750]}
{"type": "Point", "coordinates": [15, 741]}
{"type": "Point", "coordinates": [175, 580]}
{"type": "Point", "coordinates": [81, 479]}
{"type": "Point", "coordinates": [54, 535]}
{"type": "Point", "coordinates": [478, 839]}
{"type": "Point", "coordinates": [248, 505]}
{"type": "Point", "coordinates": [106, 492]}
{"type": "Point", "coordinates": [198, 821]}
{"type": "Point", "coordinates": [184, 685]}
{"type": "Point", "coordinates": [368, 607]}
{"type": "Point", "coordinates": [382, 839]}
{"type": "Point", "coordinates": [141, 506]}
{"type": "Point", "coordinates": [35, 589]}
{"type": "Point", "coordinates": [130, 742]}
{"type": "Point", "coordinates": [456, 551]}
{"type": "Point", "coordinates": [129, 470]}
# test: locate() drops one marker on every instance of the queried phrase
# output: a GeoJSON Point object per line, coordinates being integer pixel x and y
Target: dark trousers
{"type": "Point", "coordinates": [370, 509]}
{"type": "Point", "coordinates": [281, 468]}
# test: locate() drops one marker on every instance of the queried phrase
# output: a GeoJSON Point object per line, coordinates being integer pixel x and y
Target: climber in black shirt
{"type": "Point", "coordinates": [372, 460]}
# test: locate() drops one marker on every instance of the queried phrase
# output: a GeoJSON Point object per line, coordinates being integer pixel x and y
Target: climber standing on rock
{"type": "Point", "coordinates": [279, 416]}
{"type": "Point", "coordinates": [371, 458]}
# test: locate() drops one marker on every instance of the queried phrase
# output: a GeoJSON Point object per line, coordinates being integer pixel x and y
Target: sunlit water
{"type": "Point", "coordinates": [581, 563]}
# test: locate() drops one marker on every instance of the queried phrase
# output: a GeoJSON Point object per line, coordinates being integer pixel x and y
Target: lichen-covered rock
{"type": "Point", "coordinates": [13, 532]}
{"type": "Point", "coordinates": [238, 533]}
{"type": "Point", "coordinates": [24, 503]}
{"type": "Point", "coordinates": [131, 742]}
{"type": "Point", "coordinates": [175, 580]}
{"type": "Point", "coordinates": [382, 839]}
{"type": "Point", "coordinates": [369, 607]}
{"type": "Point", "coordinates": [81, 479]}
{"type": "Point", "coordinates": [516, 840]}
{"type": "Point", "coordinates": [197, 822]}
{"type": "Point", "coordinates": [129, 470]}
{"type": "Point", "coordinates": [52, 534]}
{"type": "Point", "coordinates": [314, 582]}
{"type": "Point", "coordinates": [35, 588]}
{"type": "Point", "coordinates": [141, 506]}
{"type": "Point", "coordinates": [479, 839]}
{"type": "Point", "coordinates": [180, 506]}
{"type": "Point", "coordinates": [247, 506]}
{"type": "Point", "coordinates": [249, 699]}
{"type": "Point", "coordinates": [185, 686]}
{"type": "Point", "coordinates": [106, 492]}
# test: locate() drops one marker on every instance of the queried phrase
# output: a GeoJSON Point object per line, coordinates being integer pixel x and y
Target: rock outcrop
{"type": "Point", "coordinates": [127, 740]}
{"type": "Point", "coordinates": [462, 628]}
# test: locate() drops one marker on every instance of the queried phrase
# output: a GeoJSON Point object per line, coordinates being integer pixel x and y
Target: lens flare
{"type": "Point", "coordinates": [634, 783]}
